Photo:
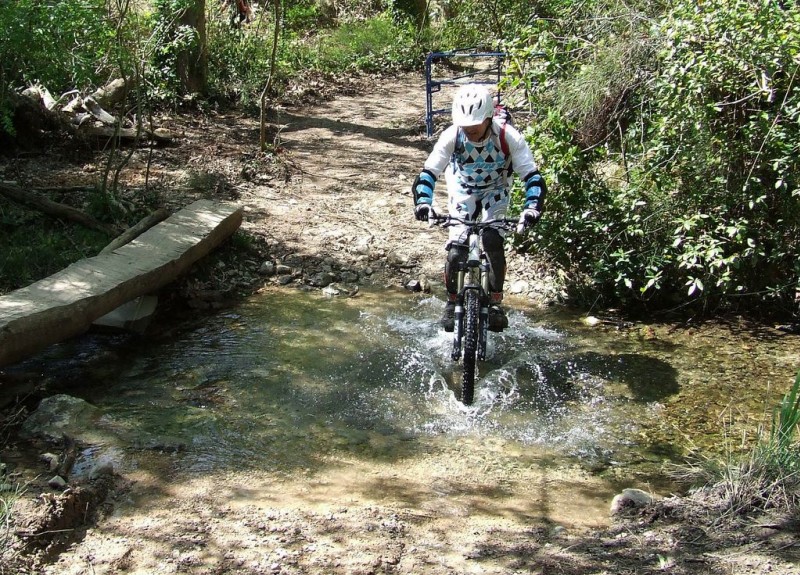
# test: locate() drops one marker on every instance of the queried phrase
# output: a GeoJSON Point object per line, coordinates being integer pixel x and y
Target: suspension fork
{"type": "Point", "coordinates": [472, 277]}
{"type": "Point", "coordinates": [483, 322]}
{"type": "Point", "coordinates": [458, 336]}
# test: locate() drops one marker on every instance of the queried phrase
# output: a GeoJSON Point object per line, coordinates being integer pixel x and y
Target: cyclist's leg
{"type": "Point", "coordinates": [495, 205]}
{"type": "Point", "coordinates": [464, 205]}
{"type": "Point", "coordinates": [493, 245]}
{"type": "Point", "coordinates": [456, 254]}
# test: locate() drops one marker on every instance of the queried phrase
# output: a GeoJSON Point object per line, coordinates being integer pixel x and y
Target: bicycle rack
{"type": "Point", "coordinates": [490, 74]}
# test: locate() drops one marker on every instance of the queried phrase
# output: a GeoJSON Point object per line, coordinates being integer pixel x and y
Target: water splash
{"type": "Point", "coordinates": [290, 376]}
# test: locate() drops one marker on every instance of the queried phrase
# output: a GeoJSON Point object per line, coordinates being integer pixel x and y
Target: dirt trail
{"type": "Point", "coordinates": [357, 156]}
{"type": "Point", "coordinates": [342, 203]}
{"type": "Point", "coordinates": [453, 508]}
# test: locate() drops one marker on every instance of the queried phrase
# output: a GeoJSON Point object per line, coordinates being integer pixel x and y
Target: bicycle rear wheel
{"type": "Point", "coordinates": [471, 310]}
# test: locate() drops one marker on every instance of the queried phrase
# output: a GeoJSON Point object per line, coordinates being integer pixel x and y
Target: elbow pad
{"type": "Point", "coordinates": [535, 190]}
{"type": "Point", "coordinates": [422, 188]}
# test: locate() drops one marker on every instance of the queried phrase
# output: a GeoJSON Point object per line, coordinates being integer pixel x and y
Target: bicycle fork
{"type": "Point", "coordinates": [477, 270]}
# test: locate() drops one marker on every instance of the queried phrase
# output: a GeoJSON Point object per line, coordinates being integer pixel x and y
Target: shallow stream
{"type": "Point", "coordinates": [289, 379]}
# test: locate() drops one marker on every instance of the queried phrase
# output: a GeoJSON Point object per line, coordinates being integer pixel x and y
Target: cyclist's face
{"type": "Point", "coordinates": [476, 133]}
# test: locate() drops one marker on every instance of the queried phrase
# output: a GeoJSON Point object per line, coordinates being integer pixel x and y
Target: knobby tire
{"type": "Point", "coordinates": [471, 311]}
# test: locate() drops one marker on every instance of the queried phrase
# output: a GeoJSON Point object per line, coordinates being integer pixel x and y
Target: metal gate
{"type": "Point", "coordinates": [460, 67]}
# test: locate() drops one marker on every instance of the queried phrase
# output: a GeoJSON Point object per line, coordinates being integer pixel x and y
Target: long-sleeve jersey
{"type": "Point", "coordinates": [481, 166]}
{"type": "Point", "coordinates": [480, 170]}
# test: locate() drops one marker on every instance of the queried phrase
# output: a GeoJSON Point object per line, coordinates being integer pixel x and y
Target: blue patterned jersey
{"type": "Point", "coordinates": [480, 166]}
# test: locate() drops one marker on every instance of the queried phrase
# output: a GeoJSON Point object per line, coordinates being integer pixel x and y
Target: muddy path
{"type": "Point", "coordinates": [337, 202]}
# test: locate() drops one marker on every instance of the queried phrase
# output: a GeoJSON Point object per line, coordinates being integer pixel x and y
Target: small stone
{"type": "Point", "coordinates": [322, 279]}
{"type": "Point", "coordinates": [51, 460]}
{"type": "Point", "coordinates": [57, 482]}
{"type": "Point", "coordinates": [267, 269]}
{"type": "Point", "coordinates": [630, 499]}
{"type": "Point", "coordinates": [397, 260]}
{"type": "Point", "coordinates": [414, 285]}
{"type": "Point", "coordinates": [518, 287]}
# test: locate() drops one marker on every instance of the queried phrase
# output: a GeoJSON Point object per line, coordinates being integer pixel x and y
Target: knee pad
{"type": "Point", "coordinates": [455, 253]}
{"type": "Point", "coordinates": [492, 241]}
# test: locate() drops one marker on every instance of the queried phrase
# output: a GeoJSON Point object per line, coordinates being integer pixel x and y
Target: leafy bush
{"type": "Point", "coordinates": [239, 60]}
{"type": "Point", "coordinates": [62, 46]}
{"type": "Point", "coordinates": [678, 133]}
{"type": "Point", "coordinates": [724, 130]}
{"type": "Point", "coordinates": [377, 44]}
{"type": "Point", "coordinates": [483, 24]}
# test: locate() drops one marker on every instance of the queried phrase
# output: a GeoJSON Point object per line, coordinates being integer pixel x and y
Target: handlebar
{"type": "Point", "coordinates": [448, 221]}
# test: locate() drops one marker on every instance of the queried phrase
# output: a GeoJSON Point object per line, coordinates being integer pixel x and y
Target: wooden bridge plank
{"type": "Point", "coordinates": [66, 303]}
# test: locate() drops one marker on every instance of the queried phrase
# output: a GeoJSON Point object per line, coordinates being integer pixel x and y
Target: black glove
{"type": "Point", "coordinates": [423, 212]}
{"type": "Point", "coordinates": [527, 218]}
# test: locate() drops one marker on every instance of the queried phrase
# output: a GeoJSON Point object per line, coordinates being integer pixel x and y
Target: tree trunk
{"type": "Point", "coordinates": [268, 85]}
{"type": "Point", "coordinates": [193, 60]}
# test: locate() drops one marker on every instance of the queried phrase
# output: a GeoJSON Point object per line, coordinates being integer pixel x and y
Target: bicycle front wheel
{"type": "Point", "coordinates": [471, 311]}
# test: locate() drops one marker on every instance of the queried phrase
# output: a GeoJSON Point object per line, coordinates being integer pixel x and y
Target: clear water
{"type": "Point", "coordinates": [289, 377]}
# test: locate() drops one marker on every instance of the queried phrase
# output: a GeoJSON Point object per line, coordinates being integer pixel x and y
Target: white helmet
{"type": "Point", "coordinates": [472, 105]}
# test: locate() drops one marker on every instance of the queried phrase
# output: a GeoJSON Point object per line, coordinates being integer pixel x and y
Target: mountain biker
{"type": "Point", "coordinates": [476, 154]}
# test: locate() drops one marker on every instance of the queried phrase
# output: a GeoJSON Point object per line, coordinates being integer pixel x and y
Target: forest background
{"type": "Point", "coordinates": [667, 131]}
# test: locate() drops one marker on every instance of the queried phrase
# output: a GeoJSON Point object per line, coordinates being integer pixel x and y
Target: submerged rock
{"type": "Point", "coordinates": [57, 415]}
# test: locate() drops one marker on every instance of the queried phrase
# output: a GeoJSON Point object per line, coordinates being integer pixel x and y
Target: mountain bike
{"type": "Point", "coordinates": [472, 304]}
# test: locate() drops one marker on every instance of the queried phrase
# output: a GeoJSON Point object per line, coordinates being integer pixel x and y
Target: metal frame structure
{"type": "Point", "coordinates": [491, 76]}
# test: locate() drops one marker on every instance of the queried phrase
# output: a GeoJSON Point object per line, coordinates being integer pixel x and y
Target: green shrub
{"type": "Point", "coordinates": [239, 59]}
{"type": "Point", "coordinates": [62, 46]}
{"type": "Point", "coordinates": [782, 450]}
{"type": "Point", "coordinates": [377, 44]}
{"type": "Point", "coordinates": [36, 248]}
{"type": "Point", "coordinates": [679, 132]}
{"type": "Point", "coordinates": [724, 121]}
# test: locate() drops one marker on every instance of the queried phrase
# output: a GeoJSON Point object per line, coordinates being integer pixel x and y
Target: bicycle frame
{"type": "Point", "coordinates": [473, 298]}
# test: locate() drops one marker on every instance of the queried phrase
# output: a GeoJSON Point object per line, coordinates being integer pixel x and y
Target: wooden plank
{"type": "Point", "coordinates": [66, 303]}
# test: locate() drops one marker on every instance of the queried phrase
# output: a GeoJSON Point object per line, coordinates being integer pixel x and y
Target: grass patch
{"type": "Point", "coordinates": [36, 247]}
{"type": "Point", "coordinates": [377, 44]}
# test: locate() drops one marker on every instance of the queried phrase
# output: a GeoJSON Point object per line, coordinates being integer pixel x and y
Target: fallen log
{"type": "Point", "coordinates": [135, 231]}
{"type": "Point", "coordinates": [114, 92]}
{"type": "Point", "coordinates": [102, 131]}
{"type": "Point", "coordinates": [85, 116]}
{"type": "Point", "coordinates": [51, 208]}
